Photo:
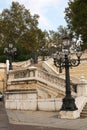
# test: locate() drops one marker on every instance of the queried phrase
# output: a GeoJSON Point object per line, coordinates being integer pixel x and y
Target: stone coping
{"type": "Point", "coordinates": [29, 68]}
{"type": "Point", "coordinates": [19, 91]}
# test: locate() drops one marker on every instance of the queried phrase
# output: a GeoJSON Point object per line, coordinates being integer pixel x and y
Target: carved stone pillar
{"type": "Point", "coordinates": [82, 87]}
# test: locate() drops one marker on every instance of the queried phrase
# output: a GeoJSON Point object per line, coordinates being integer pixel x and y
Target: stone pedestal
{"type": "Point", "coordinates": [82, 87]}
{"type": "Point", "coordinates": [68, 114]}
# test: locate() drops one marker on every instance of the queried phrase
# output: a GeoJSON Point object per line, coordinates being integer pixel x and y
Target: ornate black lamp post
{"type": "Point", "coordinates": [63, 60]}
{"type": "Point", "coordinates": [11, 51]}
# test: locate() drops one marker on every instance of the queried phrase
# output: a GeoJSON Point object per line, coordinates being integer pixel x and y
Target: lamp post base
{"type": "Point", "coordinates": [68, 104]}
{"type": "Point", "coordinates": [10, 66]}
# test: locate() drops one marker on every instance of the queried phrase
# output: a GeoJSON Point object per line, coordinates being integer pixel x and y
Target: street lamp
{"type": "Point", "coordinates": [63, 60]}
{"type": "Point", "coordinates": [11, 51]}
{"type": "Point", "coordinates": [43, 52]}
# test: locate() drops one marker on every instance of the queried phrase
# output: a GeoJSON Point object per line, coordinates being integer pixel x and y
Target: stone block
{"type": "Point", "coordinates": [46, 105]}
{"type": "Point", "coordinates": [32, 96]}
{"type": "Point", "coordinates": [11, 104]}
{"type": "Point", "coordinates": [58, 104]}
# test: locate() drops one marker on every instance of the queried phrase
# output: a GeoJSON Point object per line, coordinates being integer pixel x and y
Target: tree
{"type": "Point", "coordinates": [76, 17]}
{"type": "Point", "coordinates": [18, 26]}
{"type": "Point", "coordinates": [54, 38]}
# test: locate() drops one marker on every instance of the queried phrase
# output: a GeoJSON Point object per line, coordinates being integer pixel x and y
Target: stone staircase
{"type": "Point", "coordinates": [79, 71]}
{"type": "Point", "coordinates": [75, 72]}
{"type": "Point", "coordinates": [34, 78]}
{"type": "Point", "coordinates": [84, 112]}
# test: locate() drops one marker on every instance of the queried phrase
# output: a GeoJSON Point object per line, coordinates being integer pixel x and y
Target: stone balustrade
{"type": "Point", "coordinates": [37, 74]}
{"type": "Point", "coordinates": [33, 73]}
{"type": "Point", "coordinates": [21, 74]}
{"type": "Point", "coordinates": [51, 78]}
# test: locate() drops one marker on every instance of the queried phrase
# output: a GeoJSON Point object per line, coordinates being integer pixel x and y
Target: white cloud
{"type": "Point", "coordinates": [41, 5]}
{"type": "Point", "coordinates": [44, 8]}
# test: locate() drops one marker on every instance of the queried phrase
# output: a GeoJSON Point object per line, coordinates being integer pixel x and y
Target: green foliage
{"type": "Point", "coordinates": [76, 17]}
{"type": "Point", "coordinates": [2, 56]}
{"type": "Point", "coordinates": [19, 27]}
{"type": "Point", "coordinates": [54, 38]}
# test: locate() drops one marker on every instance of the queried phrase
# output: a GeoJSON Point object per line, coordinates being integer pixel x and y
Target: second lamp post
{"type": "Point", "coordinates": [11, 52]}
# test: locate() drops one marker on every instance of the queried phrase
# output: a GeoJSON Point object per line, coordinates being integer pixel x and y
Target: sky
{"type": "Point", "coordinates": [51, 12]}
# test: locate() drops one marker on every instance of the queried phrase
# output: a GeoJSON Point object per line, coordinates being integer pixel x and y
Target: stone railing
{"type": "Point", "coordinates": [53, 79]}
{"type": "Point", "coordinates": [48, 65]}
{"type": "Point", "coordinates": [22, 74]}
{"type": "Point", "coordinates": [22, 64]}
{"type": "Point", "coordinates": [33, 73]}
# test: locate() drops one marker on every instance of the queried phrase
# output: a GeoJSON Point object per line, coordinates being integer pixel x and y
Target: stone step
{"type": "Point", "coordinates": [84, 112]}
{"type": "Point", "coordinates": [83, 115]}
{"type": "Point", "coordinates": [86, 107]}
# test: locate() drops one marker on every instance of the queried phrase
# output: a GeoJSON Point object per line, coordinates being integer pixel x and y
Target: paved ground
{"type": "Point", "coordinates": [45, 120]}
{"type": "Point", "coordinates": [4, 123]}
{"type": "Point", "coordinates": [37, 120]}
{"type": "Point", "coordinates": [28, 127]}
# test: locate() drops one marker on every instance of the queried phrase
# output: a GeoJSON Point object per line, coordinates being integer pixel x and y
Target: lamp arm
{"type": "Point", "coordinates": [58, 62]}
{"type": "Point", "coordinates": [74, 62]}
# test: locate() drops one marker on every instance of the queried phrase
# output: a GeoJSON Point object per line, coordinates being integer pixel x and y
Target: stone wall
{"type": "Point", "coordinates": [2, 77]}
{"type": "Point", "coordinates": [21, 100]}
{"type": "Point", "coordinates": [27, 100]}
